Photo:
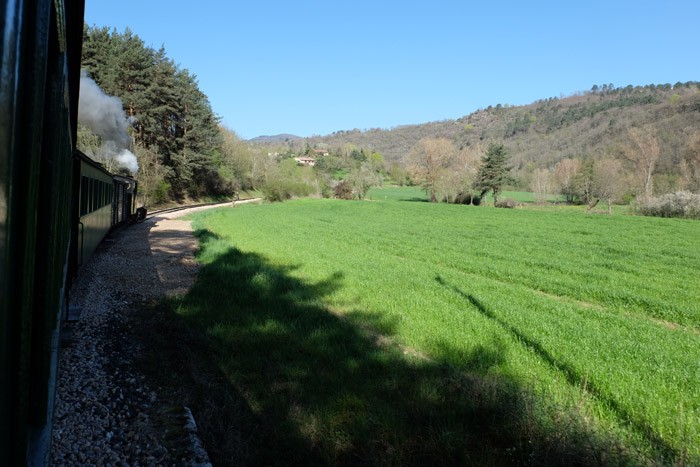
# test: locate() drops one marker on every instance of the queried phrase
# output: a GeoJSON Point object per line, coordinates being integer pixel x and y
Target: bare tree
{"type": "Point", "coordinates": [448, 184]}
{"type": "Point", "coordinates": [565, 173]}
{"type": "Point", "coordinates": [643, 151]}
{"type": "Point", "coordinates": [607, 182]}
{"type": "Point", "coordinates": [468, 162]}
{"type": "Point", "coordinates": [457, 180]}
{"type": "Point", "coordinates": [541, 184]}
{"type": "Point", "coordinates": [690, 167]}
{"type": "Point", "coordinates": [362, 179]}
{"type": "Point", "coordinates": [427, 161]}
{"type": "Point", "coordinates": [263, 165]}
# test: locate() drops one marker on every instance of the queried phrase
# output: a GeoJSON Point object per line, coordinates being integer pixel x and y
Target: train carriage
{"type": "Point", "coordinates": [40, 42]}
{"type": "Point", "coordinates": [95, 206]}
{"type": "Point", "coordinates": [56, 205]}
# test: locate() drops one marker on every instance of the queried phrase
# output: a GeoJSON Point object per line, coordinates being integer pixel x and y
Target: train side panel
{"type": "Point", "coordinates": [95, 207]}
{"type": "Point", "coordinates": [40, 40]}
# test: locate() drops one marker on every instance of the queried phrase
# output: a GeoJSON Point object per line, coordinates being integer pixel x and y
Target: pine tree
{"type": "Point", "coordinates": [172, 120]}
{"type": "Point", "coordinates": [494, 172]}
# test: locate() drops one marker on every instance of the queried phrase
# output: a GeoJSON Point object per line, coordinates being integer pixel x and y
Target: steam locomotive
{"type": "Point", "coordinates": [55, 207]}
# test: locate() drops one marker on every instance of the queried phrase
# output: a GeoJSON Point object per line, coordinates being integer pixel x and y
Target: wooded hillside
{"type": "Point", "coordinates": [606, 143]}
{"type": "Point", "coordinates": [591, 124]}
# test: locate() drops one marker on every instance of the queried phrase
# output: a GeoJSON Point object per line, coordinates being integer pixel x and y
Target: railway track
{"type": "Point", "coordinates": [190, 206]}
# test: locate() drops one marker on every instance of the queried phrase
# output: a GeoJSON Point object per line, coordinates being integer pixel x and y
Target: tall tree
{"type": "Point", "coordinates": [235, 162]}
{"type": "Point", "coordinates": [199, 138]}
{"type": "Point", "coordinates": [494, 172]}
{"type": "Point", "coordinates": [362, 179]}
{"type": "Point", "coordinates": [429, 158]}
{"type": "Point", "coordinates": [541, 184]}
{"type": "Point", "coordinates": [171, 118]}
{"type": "Point", "coordinates": [565, 172]}
{"type": "Point", "coordinates": [690, 166]}
{"type": "Point", "coordinates": [644, 152]}
{"type": "Point", "coordinates": [455, 183]}
{"type": "Point", "coordinates": [583, 183]}
{"type": "Point", "coordinates": [607, 182]}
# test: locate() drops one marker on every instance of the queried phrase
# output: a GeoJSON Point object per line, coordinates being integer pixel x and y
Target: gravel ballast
{"type": "Point", "coordinates": [106, 413]}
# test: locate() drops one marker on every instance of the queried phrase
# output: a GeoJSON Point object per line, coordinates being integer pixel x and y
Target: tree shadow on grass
{"type": "Point", "coordinates": [572, 375]}
{"type": "Point", "coordinates": [415, 199]}
{"type": "Point", "coordinates": [276, 378]}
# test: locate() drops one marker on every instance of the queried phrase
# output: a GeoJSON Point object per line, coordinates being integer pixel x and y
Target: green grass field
{"type": "Point", "coordinates": [396, 331]}
{"type": "Point", "coordinates": [418, 194]}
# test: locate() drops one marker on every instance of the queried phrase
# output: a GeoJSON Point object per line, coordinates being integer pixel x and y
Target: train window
{"type": "Point", "coordinates": [95, 194]}
{"type": "Point", "coordinates": [83, 195]}
{"type": "Point", "coordinates": [91, 195]}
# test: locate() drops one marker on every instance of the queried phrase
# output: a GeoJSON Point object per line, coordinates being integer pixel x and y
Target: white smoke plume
{"type": "Point", "coordinates": [104, 115]}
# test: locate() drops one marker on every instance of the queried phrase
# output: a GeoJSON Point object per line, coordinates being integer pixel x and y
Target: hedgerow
{"type": "Point", "coordinates": [680, 204]}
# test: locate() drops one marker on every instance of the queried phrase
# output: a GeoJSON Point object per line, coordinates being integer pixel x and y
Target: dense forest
{"type": "Point", "coordinates": [175, 135]}
{"type": "Point", "coordinates": [608, 143]}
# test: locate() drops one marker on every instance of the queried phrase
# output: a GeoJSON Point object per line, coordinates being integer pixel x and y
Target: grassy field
{"type": "Point", "coordinates": [396, 331]}
{"type": "Point", "coordinates": [418, 194]}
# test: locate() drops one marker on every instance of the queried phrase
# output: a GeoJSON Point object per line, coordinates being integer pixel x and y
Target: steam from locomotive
{"type": "Point", "coordinates": [104, 115]}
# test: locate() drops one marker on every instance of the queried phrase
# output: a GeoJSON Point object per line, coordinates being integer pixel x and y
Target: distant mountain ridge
{"type": "Point", "coordinates": [282, 138]}
{"type": "Point", "coordinates": [588, 123]}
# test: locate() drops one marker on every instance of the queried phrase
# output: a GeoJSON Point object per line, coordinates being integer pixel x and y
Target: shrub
{"type": "Point", "coordinates": [507, 203]}
{"type": "Point", "coordinates": [467, 198]}
{"type": "Point", "coordinates": [343, 190]}
{"type": "Point", "coordinates": [161, 192]}
{"type": "Point", "coordinates": [280, 190]}
{"type": "Point", "coordinates": [627, 199]}
{"type": "Point", "coordinates": [680, 204]}
{"type": "Point", "coordinates": [463, 198]}
{"type": "Point", "coordinates": [275, 191]}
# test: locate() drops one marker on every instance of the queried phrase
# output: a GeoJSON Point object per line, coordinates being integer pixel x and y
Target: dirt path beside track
{"type": "Point", "coordinates": [105, 410]}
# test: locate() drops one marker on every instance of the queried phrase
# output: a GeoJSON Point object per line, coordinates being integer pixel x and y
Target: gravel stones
{"type": "Point", "coordinates": [105, 410]}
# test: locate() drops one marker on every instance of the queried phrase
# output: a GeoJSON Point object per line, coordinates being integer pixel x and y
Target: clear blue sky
{"type": "Point", "coordinates": [315, 67]}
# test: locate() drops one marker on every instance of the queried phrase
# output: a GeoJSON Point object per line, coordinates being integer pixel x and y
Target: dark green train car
{"type": "Point", "coordinates": [95, 208]}
{"type": "Point", "coordinates": [39, 83]}
{"type": "Point", "coordinates": [105, 201]}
